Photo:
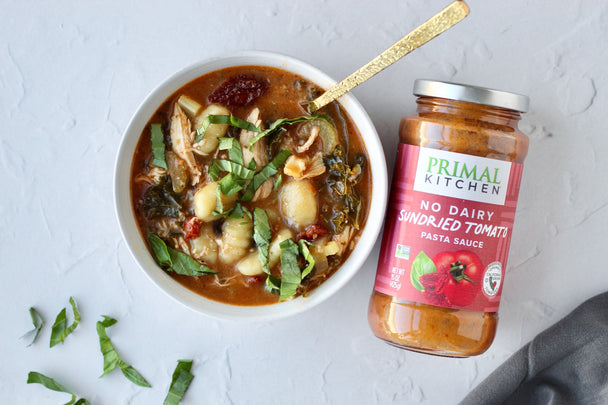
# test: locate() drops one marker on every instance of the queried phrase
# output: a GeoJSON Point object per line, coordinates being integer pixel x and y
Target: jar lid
{"type": "Point", "coordinates": [473, 94]}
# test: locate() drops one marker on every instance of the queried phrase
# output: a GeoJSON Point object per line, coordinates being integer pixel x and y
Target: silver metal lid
{"type": "Point", "coordinates": [473, 94]}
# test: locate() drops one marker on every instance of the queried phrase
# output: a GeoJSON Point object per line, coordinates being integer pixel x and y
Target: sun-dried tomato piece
{"type": "Point", "coordinates": [239, 91]}
{"type": "Point", "coordinates": [312, 232]}
{"type": "Point", "coordinates": [192, 227]}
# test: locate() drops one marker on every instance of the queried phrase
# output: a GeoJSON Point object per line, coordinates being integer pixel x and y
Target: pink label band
{"type": "Point", "coordinates": [448, 229]}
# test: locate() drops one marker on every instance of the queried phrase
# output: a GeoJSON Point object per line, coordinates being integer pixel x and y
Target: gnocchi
{"type": "Point", "coordinates": [251, 264]}
{"type": "Point", "coordinates": [210, 141]}
{"type": "Point", "coordinates": [205, 202]}
{"type": "Point", "coordinates": [204, 247]}
{"type": "Point", "coordinates": [299, 203]}
{"type": "Point", "coordinates": [236, 239]}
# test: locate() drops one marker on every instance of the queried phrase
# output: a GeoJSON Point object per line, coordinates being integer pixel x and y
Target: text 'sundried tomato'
{"type": "Point", "coordinates": [239, 91]}
{"type": "Point", "coordinates": [192, 227]}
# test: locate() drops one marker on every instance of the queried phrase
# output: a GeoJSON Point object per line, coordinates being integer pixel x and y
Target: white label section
{"type": "Point", "coordinates": [462, 176]}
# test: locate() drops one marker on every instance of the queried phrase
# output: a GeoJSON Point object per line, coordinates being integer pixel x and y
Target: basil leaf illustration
{"type": "Point", "coordinates": [111, 359]}
{"type": "Point", "coordinates": [422, 265]}
{"type": "Point", "coordinates": [37, 378]}
{"type": "Point", "coordinates": [38, 323]}
{"type": "Point", "coordinates": [60, 330]}
{"type": "Point", "coordinates": [179, 382]}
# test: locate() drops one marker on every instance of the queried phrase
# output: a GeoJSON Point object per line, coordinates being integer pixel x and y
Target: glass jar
{"type": "Point", "coordinates": [449, 221]}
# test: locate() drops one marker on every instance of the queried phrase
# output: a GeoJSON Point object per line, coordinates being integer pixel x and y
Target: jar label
{"type": "Point", "coordinates": [448, 228]}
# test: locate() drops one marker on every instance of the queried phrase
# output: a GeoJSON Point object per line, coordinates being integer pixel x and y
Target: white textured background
{"type": "Point", "coordinates": [72, 74]}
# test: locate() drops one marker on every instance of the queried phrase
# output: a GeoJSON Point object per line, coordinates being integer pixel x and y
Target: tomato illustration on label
{"type": "Point", "coordinates": [449, 279]}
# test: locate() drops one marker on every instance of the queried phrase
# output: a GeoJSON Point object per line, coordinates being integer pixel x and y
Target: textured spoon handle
{"type": "Point", "coordinates": [437, 24]}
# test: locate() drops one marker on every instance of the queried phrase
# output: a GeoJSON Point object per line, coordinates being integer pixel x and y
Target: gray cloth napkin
{"type": "Point", "coordinates": [566, 364]}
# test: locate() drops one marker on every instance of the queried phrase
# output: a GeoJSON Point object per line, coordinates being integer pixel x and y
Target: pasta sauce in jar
{"type": "Point", "coordinates": [446, 239]}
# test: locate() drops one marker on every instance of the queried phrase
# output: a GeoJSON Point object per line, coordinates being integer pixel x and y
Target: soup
{"type": "Point", "coordinates": [241, 194]}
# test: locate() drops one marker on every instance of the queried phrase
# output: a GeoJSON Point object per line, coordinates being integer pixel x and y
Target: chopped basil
{"type": "Point", "coordinates": [291, 275]}
{"type": "Point", "coordinates": [261, 236]}
{"type": "Point", "coordinates": [34, 377]}
{"type": "Point", "coordinates": [230, 184]}
{"type": "Point", "coordinates": [235, 153]}
{"type": "Point", "coordinates": [278, 180]}
{"type": "Point", "coordinates": [273, 284]}
{"type": "Point", "coordinates": [158, 146]}
{"type": "Point", "coordinates": [111, 359]}
{"type": "Point", "coordinates": [176, 261]}
{"type": "Point", "coordinates": [303, 244]}
{"type": "Point", "coordinates": [290, 270]}
{"type": "Point", "coordinates": [278, 124]}
{"type": "Point", "coordinates": [224, 119]}
{"type": "Point", "coordinates": [267, 171]}
{"type": "Point", "coordinates": [38, 323]}
{"type": "Point", "coordinates": [60, 330]}
{"type": "Point", "coordinates": [180, 382]}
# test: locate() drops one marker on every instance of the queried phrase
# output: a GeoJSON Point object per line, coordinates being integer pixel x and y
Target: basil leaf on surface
{"type": "Point", "coordinates": [224, 119]}
{"type": "Point", "coordinates": [38, 322]}
{"type": "Point", "coordinates": [111, 359]}
{"type": "Point", "coordinates": [262, 236]}
{"type": "Point", "coordinates": [267, 171]}
{"type": "Point", "coordinates": [290, 270]}
{"type": "Point", "coordinates": [35, 377]}
{"type": "Point", "coordinates": [422, 265]}
{"type": "Point", "coordinates": [180, 382]}
{"type": "Point", "coordinates": [60, 330]}
{"type": "Point", "coordinates": [157, 140]}
{"type": "Point", "coordinates": [278, 124]}
{"type": "Point", "coordinates": [176, 261]}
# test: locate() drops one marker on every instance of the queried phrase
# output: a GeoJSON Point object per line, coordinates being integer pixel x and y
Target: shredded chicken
{"type": "Point", "coordinates": [181, 141]}
{"type": "Point", "coordinates": [314, 133]}
{"type": "Point", "coordinates": [153, 176]}
{"type": "Point", "coordinates": [226, 281]}
{"type": "Point", "coordinates": [167, 227]}
{"type": "Point", "coordinates": [263, 191]}
{"type": "Point", "coordinates": [258, 151]}
{"type": "Point", "coordinates": [302, 168]}
{"type": "Point", "coordinates": [181, 244]}
{"type": "Point", "coordinates": [343, 239]}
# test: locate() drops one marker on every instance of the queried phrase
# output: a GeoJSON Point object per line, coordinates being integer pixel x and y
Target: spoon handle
{"type": "Point", "coordinates": [437, 24]}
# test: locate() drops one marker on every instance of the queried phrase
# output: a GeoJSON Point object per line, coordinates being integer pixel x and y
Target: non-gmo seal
{"type": "Point", "coordinates": [492, 279]}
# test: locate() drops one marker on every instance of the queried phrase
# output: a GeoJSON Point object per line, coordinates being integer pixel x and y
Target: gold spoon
{"type": "Point", "coordinates": [437, 24]}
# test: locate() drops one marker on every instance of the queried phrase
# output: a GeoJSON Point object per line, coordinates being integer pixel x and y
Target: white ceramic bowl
{"type": "Point", "coordinates": [137, 246]}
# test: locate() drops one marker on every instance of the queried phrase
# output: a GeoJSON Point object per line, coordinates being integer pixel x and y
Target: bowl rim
{"type": "Point", "coordinates": [136, 244]}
